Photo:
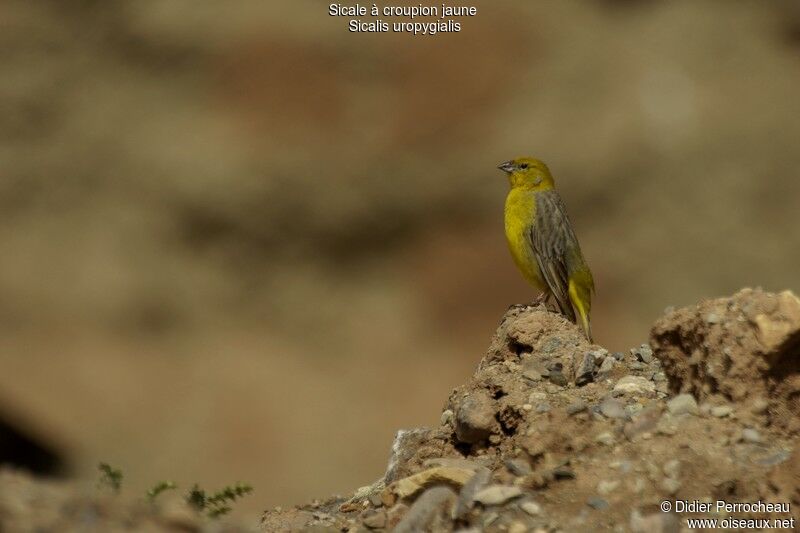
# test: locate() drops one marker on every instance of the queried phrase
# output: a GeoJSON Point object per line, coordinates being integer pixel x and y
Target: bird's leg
{"type": "Point", "coordinates": [542, 299]}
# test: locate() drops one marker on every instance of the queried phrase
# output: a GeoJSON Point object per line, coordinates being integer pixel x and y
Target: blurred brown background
{"type": "Point", "coordinates": [241, 243]}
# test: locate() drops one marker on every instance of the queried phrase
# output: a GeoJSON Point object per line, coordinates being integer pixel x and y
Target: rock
{"type": "Point", "coordinates": [497, 494]}
{"type": "Point", "coordinates": [585, 372]}
{"type": "Point", "coordinates": [557, 377]}
{"type": "Point", "coordinates": [430, 512]}
{"type": "Point", "coordinates": [683, 404]}
{"type": "Point", "coordinates": [619, 356]}
{"type": "Point", "coordinates": [670, 486]}
{"type": "Point", "coordinates": [634, 385]}
{"type": "Point", "coordinates": [781, 327]}
{"type": "Point", "coordinates": [531, 507]}
{"type": "Point", "coordinates": [721, 411]}
{"type": "Point", "coordinates": [406, 443]}
{"type": "Point", "coordinates": [605, 487]}
{"type": "Point", "coordinates": [751, 435]}
{"type": "Point", "coordinates": [605, 438]}
{"type": "Point", "coordinates": [475, 418]}
{"type": "Point", "coordinates": [374, 519]}
{"type": "Point", "coordinates": [637, 365]}
{"type": "Point", "coordinates": [672, 468]}
{"type": "Point", "coordinates": [543, 407]}
{"type": "Point", "coordinates": [613, 408]}
{"type": "Point", "coordinates": [518, 467]}
{"type": "Point", "coordinates": [576, 407]}
{"type": "Point", "coordinates": [606, 367]}
{"type": "Point", "coordinates": [643, 353]}
{"type": "Point", "coordinates": [411, 485]}
{"type": "Point", "coordinates": [446, 418]}
{"type": "Point", "coordinates": [517, 527]}
{"type": "Point", "coordinates": [466, 498]}
{"type": "Point", "coordinates": [597, 503]}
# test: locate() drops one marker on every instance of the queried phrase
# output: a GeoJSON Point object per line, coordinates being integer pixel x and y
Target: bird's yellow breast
{"type": "Point", "coordinates": [520, 213]}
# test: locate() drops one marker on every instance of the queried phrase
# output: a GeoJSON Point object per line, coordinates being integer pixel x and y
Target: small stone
{"type": "Point", "coordinates": [759, 406]}
{"type": "Point", "coordinates": [670, 486]}
{"type": "Point", "coordinates": [576, 407]}
{"type": "Point", "coordinates": [672, 468]}
{"type": "Point", "coordinates": [447, 417]}
{"type": "Point", "coordinates": [634, 385]}
{"type": "Point", "coordinates": [751, 435]}
{"type": "Point", "coordinates": [374, 519]}
{"type": "Point", "coordinates": [721, 411]}
{"type": "Point", "coordinates": [432, 502]}
{"type": "Point", "coordinates": [659, 377]}
{"type": "Point", "coordinates": [606, 487]}
{"type": "Point", "coordinates": [497, 494]}
{"type": "Point", "coordinates": [375, 499]}
{"type": "Point", "coordinates": [585, 373]}
{"type": "Point", "coordinates": [475, 418]}
{"type": "Point", "coordinates": [517, 527]}
{"type": "Point", "coordinates": [556, 377]}
{"type": "Point", "coordinates": [536, 397]}
{"type": "Point", "coordinates": [619, 356]}
{"type": "Point", "coordinates": [543, 407]}
{"type": "Point", "coordinates": [518, 467]}
{"type": "Point", "coordinates": [527, 407]}
{"type": "Point", "coordinates": [637, 365]}
{"type": "Point", "coordinates": [563, 472]}
{"type": "Point", "coordinates": [713, 318]}
{"type": "Point", "coordinates": [606, 367]}
{"type": "Point", "coordinates": [683, 404]}
{"type": "Point", "coordinates": [531, 507]}
{"type": "Point", "coordinates": [643, 353]}
{"type": "Point", "coordinates": [605, 438]}
{"type": "Point", "coordinates": [597, 503]}
{"type": "Point", "coordinates": [613, 408]}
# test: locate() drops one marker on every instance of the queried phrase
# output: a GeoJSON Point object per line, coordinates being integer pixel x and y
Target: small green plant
{"type": "Point", "coordinates": [217, 504]}
{"type": "Point", "coordinates": [160, 487]}
{"type": "Point", "coordinates": [110, 477]}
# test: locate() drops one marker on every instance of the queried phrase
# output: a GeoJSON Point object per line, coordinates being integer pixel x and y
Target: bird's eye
{"type": "Point", "coordinates": [523, 166]}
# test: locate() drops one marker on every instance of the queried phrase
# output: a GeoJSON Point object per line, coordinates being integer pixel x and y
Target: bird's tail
{"type": "Point", "coordinates": [581, 301]}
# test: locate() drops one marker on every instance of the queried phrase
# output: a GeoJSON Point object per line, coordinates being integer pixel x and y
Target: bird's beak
{"type": "Point", "coordinates": [508, 166]}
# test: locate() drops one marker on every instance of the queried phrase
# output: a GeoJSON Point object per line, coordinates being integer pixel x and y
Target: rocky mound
{"type": "Point", "coordinates": [552, 433]}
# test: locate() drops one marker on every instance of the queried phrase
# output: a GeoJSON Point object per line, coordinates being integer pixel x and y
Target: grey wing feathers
{"type": "Point", "coordinates": [552, 239]}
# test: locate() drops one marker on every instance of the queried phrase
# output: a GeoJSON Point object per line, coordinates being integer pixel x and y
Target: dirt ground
{"type": "Point", "coordinates": [550, 433]}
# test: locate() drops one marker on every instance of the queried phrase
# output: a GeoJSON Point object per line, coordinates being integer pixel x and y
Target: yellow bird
{"type": "Point", "coordinates": [543, 243]}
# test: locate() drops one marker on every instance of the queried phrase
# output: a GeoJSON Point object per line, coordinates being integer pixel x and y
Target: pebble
{"type": "Point", "coordinates": [497, 494]}
{"type": "Point", "coordinates": [475, 418]}
{"type": "Point", "coordinates": [536, 396]}
{"type": "Point", "coordinates": [643, 353]}
{"type": "Point", "coordinates": [659, 377]}
{"type": "Point", "coordinates": [606, 367]}
{"type": "Point", "coordinates": [713, 318]}
{"type": "Point", "coordinates": [597, 503]}
{"type": "Point", "coordinates": [636, 365]}
{"type": "Point", "coordinates": [375, 520]}
{"type": "Point", "coordinates": [759, 406]}
{"type": "Point", "coordinates": [531, 507]}
{"type": "Point", "coordinates": [585, 372]}
{"type": "Point", "coordinates": [634, 385]}
{"type": "Point", "coordinates": [518, 467]}
{"type": "Point", "coordinates": [670, 485]}
{"type": "Point", "coordinates": [612, 408]}
{"type": "Point", "coordinates": [527, 407]}
{"type": "Point", "coordinates": [683, 404]}
{"type": "Point", "coordinates": [605, 438]}
{"type": "Point", "coordinates": [556, 377]}
{"type": "Point", "coordinates": [751, 435]}
{"type": "Point", "coordinates": [721, 411]}
{"type": "Point", "coordinates": [606, 487]}
{"type": "Point", "coordinates": [672, 468]}
{"type": "Point", "coordinates": [447, 417]}
{"type": "Point", "coordinates": [427, 505]}
{"type": "Point", "coordinates": [576, 407]}
{"type": "Point", "coordinates": [517, 527]}
{"type": "Point", "coordinates": [543, 407]}
{"type": "Point", "coordinates": [619, 356]}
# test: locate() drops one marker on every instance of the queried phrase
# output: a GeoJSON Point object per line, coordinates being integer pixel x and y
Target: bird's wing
{"type": "Point", "coordinates": [551, 237]}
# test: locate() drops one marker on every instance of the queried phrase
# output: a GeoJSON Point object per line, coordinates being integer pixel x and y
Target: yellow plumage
{"type": "Point", "coordinates": [543, 243]}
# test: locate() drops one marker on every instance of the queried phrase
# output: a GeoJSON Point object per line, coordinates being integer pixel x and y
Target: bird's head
{"type": "Point", "coordinates": [528, 173]}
